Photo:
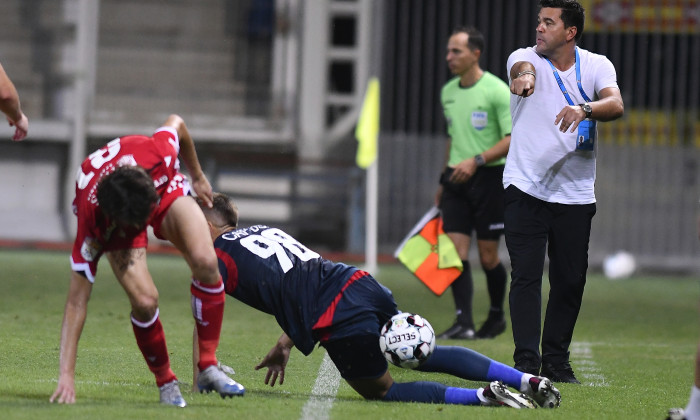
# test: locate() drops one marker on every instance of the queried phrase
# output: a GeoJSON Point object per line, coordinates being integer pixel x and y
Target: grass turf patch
{"type": "Point", "coordinates": [633, 349]}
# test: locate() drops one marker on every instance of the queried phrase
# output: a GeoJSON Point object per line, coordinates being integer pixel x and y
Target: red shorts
{"type": "Point", "coordinates": [179, 187]}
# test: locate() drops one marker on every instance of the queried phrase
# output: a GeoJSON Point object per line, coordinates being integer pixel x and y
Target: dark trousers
{"type": "Point", "coordinates": [533, 226]}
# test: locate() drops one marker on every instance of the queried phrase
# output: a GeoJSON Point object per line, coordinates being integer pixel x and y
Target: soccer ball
{"type": "Point", "coordinates": [407, 340]}
{"type": "Point", "coordinates": [620, 265]}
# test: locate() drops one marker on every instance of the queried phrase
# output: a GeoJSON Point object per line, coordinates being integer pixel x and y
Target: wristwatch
{"type": "Point", "coordinates": [479, 159]}
{"type": "Point", "coordinates": [587, 109]}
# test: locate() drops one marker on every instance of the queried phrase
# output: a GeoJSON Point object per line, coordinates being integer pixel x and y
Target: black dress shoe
{"type": "Point", "coordinates": [458, 332]}
{"type": "Point", "coordinates": [559, 373]}
{"type": "Point", "coordinates": [528, 366]}
{"type": "Point", "coordinates": [492, 327]}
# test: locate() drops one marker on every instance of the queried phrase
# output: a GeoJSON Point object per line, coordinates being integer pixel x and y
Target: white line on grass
{"type": "Point", "coordinates": [586, 367]}
{"type": "Point", "coordinates": [319, 405]}
{"type": "Point", "coordinates": [88, 382]}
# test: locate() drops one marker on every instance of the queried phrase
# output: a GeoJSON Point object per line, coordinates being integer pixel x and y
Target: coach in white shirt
{"type": "Point", "coordinates": [559, 92]}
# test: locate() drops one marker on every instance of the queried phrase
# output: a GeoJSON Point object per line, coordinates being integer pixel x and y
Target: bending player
{"type": "Point", "coordinates": [343, 308]}
{"type": "Point", "coordinates": [131, 183]}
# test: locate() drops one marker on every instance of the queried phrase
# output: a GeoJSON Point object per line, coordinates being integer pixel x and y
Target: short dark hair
{"type": "Point", "coordinates": [572, 13]}
{"type": "Point", "coordinates": [127, 196]}
{"type": "Point", "coordinates": [224, 211]}
{"type": "Point", "coordinates": [475, 40]}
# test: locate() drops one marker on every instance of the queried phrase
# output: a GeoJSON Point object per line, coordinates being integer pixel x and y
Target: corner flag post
{"type": "Point", "coordinates": [367, 133]}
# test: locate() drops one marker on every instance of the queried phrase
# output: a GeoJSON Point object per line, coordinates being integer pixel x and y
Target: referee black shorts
{"type": "Point", "coordinates": [475, 205]}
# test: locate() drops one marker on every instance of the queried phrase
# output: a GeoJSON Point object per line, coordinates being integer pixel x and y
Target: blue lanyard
{"type": "Point", "coordinates": [578, 80]}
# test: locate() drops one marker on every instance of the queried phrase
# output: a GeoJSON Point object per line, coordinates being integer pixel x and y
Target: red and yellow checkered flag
{"type": "Point", "coordinates": [429, 253]}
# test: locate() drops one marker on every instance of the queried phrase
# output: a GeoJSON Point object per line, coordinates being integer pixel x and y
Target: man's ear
{"type": "Point", "coordinates": [212, 230]}
{"type": "Point", "coordinates": [477, 53]}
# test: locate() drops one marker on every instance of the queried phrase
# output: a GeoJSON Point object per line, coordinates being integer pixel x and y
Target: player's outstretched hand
{"type": "Point", "coordinates": [275, 362]}
{"type": "Point", "coordinates": [21, 128]}
{"type": "Point", "coordinates": [64, 393]}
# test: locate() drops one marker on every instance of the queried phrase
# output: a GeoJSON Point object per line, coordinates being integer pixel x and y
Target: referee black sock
{"type": "Point", "coordinates": [463, 293]}
{"type": "Point", "coordinates": [496, 279]}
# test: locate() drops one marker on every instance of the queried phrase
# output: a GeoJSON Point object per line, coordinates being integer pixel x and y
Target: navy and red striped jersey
{"type": "Point", "coordinates": [271, 271]}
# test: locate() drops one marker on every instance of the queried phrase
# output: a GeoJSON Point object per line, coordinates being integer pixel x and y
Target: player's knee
{"type": "Point", "coordinates": [372, 394]}
{"type": "Point", "coordinates": [372, 389]}
{"type": "Point", "coordinates": [144, 307]}
{"type": "Point", "coordinates": [205, 267]}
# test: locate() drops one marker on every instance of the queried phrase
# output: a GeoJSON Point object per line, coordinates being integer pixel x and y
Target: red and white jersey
{"type": "Point", "coordinates": [96, 234]}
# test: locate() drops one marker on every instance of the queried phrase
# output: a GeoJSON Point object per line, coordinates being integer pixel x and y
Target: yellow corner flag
{"type": "Point", "coordinates": [367, 129]}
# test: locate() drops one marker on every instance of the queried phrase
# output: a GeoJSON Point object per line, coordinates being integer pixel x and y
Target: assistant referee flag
{"type": "Point", "coordinates": [429, 253]}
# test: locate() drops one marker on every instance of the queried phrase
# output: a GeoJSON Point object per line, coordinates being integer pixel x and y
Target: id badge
{"type": "Point", "coordinates": [585, 138]}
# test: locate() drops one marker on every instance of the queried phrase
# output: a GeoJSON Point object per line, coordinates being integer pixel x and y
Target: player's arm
{"type": "Point", "coordinates": [522, 79]}
{"type": "Point", "coordinates": [73, 321]}
{"type": "Point", "coordinates": [200, 183]}
{"type": "Point", "coordinates": [276, 360]}
{"type": "Point", "coordinates": [10, 106]}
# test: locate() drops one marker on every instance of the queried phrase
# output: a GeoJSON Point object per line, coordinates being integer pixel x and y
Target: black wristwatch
{"type": "Point", "coordinates": [587, 109]}
{"type": "Point", "coordinates": [480, 161]}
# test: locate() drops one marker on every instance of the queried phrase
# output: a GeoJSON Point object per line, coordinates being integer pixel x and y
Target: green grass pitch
{"type": "Point", "coordinates": [633, 349]}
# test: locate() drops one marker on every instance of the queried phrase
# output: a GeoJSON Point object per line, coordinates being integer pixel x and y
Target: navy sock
{"type": "Point", "coordinates": [462, 396]}
{"type": "Point", "coordinates": [431, 392]}
{"type": "Point", "coordinates": [510, 376]}
{"type": "Point", "coordinates": [471, 365]}
{"type": "Point", "coordinates": [459, 361]}
{"type": "Point", "coordinates": [424, 392]}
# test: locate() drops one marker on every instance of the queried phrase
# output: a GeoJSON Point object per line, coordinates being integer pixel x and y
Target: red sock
{"type": "Point", "coordinates": [151, 340]}
{"type": "Point", "coordinates": [208, 310]}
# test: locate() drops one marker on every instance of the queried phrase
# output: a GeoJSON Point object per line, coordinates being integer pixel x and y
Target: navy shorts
{"type": "Point", "coordinates": [357, 357]}
{"type": "Point", "coordinates": [475, 205]}
{"type": "Point", "coordinates": [352, 341]}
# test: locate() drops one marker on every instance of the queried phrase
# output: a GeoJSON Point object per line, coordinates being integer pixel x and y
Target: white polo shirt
{"type": "Point", "coordinates": [542, 161]}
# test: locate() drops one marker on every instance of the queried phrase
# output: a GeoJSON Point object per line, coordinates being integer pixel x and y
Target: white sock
{"type": "Point", "coordinates": [480, 394]}
{"type": "Point", "coordinates": [525, 383]}
{"type": "Point", "coordinates": [692, 410]}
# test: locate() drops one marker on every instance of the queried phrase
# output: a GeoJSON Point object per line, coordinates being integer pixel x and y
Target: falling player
{"type": "Point", "coordinates": [316, 300]}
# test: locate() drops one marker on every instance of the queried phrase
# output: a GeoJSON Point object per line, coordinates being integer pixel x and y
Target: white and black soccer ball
{"type": "Point", "coordinates": [407, 340]}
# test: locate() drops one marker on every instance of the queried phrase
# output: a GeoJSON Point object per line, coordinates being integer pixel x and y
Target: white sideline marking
{"type": "Point", "coordinates": [89, 382]}
{"type": "Point", "coordinates": [587, 369]}
{"type": "Point", "coordinates": [319, 405]}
